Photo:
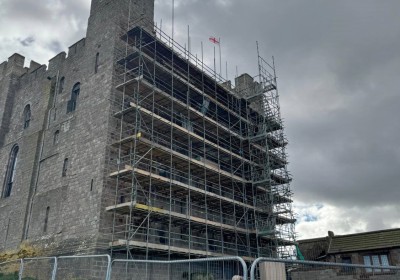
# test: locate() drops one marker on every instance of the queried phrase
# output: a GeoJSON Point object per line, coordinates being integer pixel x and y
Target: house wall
{"type": "Point", "coordinates": [343, 274]}
{"type": "Point", "coordinates": [358, 257]}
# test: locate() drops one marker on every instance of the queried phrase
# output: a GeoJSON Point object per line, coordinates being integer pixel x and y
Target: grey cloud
{"type": "Point", "coordinates": [26, 10]}
{"type": "Point", "coordinates": [54, 24]}
{"type": "Point", "coordinates": [27, 41]}
{"type": "Point", "coordinates": [338, 68]}
{"type": "Point", "coordinates": [55, 46]}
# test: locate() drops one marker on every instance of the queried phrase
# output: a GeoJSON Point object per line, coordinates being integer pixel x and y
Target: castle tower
{"type": "Point", "coordinates": [129, 146]}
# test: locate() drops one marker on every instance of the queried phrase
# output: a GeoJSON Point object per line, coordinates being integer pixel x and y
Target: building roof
{"type": "Point", "coordinates": [373, 240]}
{"type": "Point", "coordinates": [365, 241]}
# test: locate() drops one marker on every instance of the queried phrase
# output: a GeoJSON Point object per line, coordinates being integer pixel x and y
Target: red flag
{"type": "Point", "coordinates": [214, 40]}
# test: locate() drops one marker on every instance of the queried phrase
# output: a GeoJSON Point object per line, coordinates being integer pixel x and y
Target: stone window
{"type": "Point", "coordinates": [27, 116]}
{"type": "Point", "coordinates": [56, 137]}
{"type": "Point", "coordinates": [11, 169]}
{"type": "Point", "coordinates": [96, 64]}
{"type": "Point", "coordinates": [61, 85]}
{"type": "Point", "coordinates": [65, 167]}
{"type": "Point", "coordinates": [46, 219]}
{"type": "Point", "coordinates": [71, 106]}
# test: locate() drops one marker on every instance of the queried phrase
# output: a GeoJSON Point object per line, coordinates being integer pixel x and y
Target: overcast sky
{"type": "Point", "coordinates": [338, 65]}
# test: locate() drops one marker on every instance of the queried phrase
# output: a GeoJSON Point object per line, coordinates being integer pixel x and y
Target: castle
{"type": "Point", "coordinates": [131, 145]}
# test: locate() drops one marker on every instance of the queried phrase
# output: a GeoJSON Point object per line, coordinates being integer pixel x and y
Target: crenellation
{"type": "Point", "coordinates": [15, 65]}
{"type": "Point", "coordinates": [16, 60]}
{"type": "Point", "coordinates": [56, 62]}
{"type": "Point", "coordinates": [77, 48]}
{"type": "Point", "coordinates": [33, 66]}
{"type": "Point", "coordinates": [30, 76]}
{"type": "Point", "coordinates": [3, 67]}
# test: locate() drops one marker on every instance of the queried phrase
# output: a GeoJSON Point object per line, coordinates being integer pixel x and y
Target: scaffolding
{"type": "Point", "coordinates": [196, 167]}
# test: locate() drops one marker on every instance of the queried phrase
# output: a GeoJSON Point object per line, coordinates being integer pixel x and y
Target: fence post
{"type": "Point", "coordinates": [253, 268]}
{"type": "Point", "coordinates": [21, 269]}
{"type": "Point", "coordinates": [244, 265]}
{"type": "Point", "coordinates": [109, 267]}
{"type": "Point", "coordinates": [54, 273]}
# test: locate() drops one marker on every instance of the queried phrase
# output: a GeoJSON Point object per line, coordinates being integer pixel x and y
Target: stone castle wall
{"type": "Point", "coordinates": [73, 202]}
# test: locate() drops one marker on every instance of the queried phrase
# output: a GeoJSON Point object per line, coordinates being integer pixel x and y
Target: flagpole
{"type": "Point", "coordinates": [215, 67]}
{"type": "Point", "coordinates": [227, 70]}
{"type": "Point", "coordinates": [173, 19]}
{"type": "Point", "coordinates": [220, 58]}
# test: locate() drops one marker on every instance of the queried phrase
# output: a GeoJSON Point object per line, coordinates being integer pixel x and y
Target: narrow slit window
{"type": "Point", "coordinates": [11, 170]}
{"type": "Point", "coordinates": [27, 116]}
{"type": "Point", "coordinates": [61, 85]}
{"type": "Point", "coordinates": [46, 219]}
{"type": "Point", "coordinates": [56, 137]}
{"type": "Point", "coordinates": [65, 168]}
{"type": "Point", "coordinates": [96, 64]}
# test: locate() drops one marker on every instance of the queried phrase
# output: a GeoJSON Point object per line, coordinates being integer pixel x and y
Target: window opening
{"type": "Point", "coordinates": [56, 137]}
{"type": "Point", "coordinates": [72, 103]}
{"type": "Point", "coordinates": [96, 66]}
{"type": "Point", "coordinates": [46, 219]}
{"type": "Point", "coordinates": [65, 168]}
{"type": "Point", "coordinates": [11, 170]}
{"type": "Point", "coordinates": [61, 85]}
{"type": "Point", "coordinates": [27, 116]}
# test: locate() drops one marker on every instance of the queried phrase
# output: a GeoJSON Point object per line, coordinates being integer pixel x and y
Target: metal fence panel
{"type": "Point", "coordinates": [96, 267]}
{"type": "Point", "coordinates": [38, 268]}
{"type": "Point", "coordinates": [278, 269]}
{"type": "Point", "coordinates": [196, 269]}
{"type": "Point", "coordinates": [10, 270]}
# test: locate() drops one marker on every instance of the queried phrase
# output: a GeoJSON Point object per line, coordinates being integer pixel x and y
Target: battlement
{"type": "Point", "coordinates": [14, 65]}
{"type": "Point", "coordinates": [56, 62]}
{"type": "Point", "coordinates": [77, 48]}
{"type": "Point", "coordinates": [33, 66]}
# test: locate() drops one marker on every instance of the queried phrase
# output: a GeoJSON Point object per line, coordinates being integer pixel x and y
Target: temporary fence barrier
{"type": "Point", "coordinates": [87, 267]}
{"type": "Point", "coordinates": [283, 269]}
{"type": "Point", "coordinates": [11, 270]}
{"type": "Point", "coordinates": [38, 268]}
{"type": "Point", "coordinates": [100, 267]}
{"type": "Point", "coordinates": [224, 268]}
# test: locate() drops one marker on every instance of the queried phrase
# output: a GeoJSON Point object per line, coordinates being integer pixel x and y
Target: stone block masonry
{"type": "Point", "coordinates": [59, 212]}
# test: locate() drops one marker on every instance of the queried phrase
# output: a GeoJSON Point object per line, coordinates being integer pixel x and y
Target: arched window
{"type": "Point", "coordinates": [71, 106]}
{"type": "Point", "coordinates": [11, 169]}
{"type": "Point", "coordinates": [61, 85]}
{"type": "Point", "coordinates": [56, 137]}
{"type": "Point", "coordinates": [65, 168]}
{"type": "Point", "coordinates": [27, 116]}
